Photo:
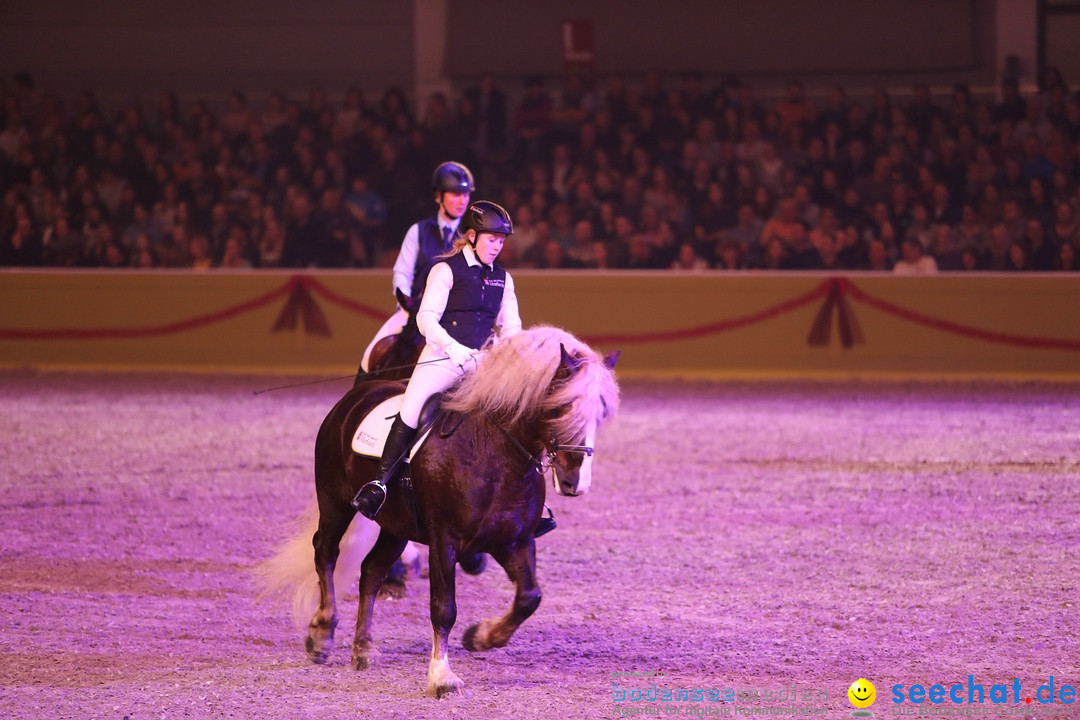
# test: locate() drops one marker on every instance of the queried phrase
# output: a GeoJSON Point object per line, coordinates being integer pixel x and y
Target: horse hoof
{"type": "Point", "coordinates": [365, 661]}
{"type": "Point", "coordinates": [392, 590]}
{"type": "Point", "coordinates": [319, 657]}
{"type": "Point", "coordinates": [468, 640]}
{"type": "Point", "coordinates": [452, 688]}
{"type": "Point", "coordinates": [474, 564]}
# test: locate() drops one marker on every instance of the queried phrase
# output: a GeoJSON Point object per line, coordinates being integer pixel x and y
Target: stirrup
{"type": "Point", "coordinates": [370, 499]}
{"type": "Point", "coordinates": [546, 524]}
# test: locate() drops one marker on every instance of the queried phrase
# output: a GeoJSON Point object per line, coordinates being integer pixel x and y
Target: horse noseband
{"type": "Point", "coordinates": [555, 448]}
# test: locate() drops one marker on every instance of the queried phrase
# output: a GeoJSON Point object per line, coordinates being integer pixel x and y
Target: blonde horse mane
{"type": "Point", "coordinates": [514, 383]}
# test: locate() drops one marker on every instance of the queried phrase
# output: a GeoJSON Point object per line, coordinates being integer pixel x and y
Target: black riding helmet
{"type": "Point", "coordinates": [485, 216]}
{"type": "Point", "coordinates": [452, 177]}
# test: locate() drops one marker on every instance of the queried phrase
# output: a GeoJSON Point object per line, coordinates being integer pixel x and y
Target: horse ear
{"type": "Point", "coordinates": [611, 358]}
{"type": "Point", "coordinates": [568, 364]}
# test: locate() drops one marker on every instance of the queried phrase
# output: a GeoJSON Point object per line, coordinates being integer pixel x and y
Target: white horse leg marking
{"type": "Point", "coordinates": [441, 679]}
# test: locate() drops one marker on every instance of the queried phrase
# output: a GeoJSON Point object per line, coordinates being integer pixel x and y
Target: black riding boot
{"type": "Point", "coordinates": [371, 497]}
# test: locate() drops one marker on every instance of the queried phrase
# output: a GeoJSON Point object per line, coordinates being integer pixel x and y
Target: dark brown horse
{"type": "Point", "coordinates": [478, 485]}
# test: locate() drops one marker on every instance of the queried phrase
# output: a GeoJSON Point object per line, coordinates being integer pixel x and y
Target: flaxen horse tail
{"type": "Point", "coordinates": [290, 571]}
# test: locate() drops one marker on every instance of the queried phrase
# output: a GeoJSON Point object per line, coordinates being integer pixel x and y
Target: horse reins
{"type": "Point", "coordinates": [541, 464]}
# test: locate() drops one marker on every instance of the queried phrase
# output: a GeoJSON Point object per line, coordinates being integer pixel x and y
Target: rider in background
{"type": "Point", "coordinates": [424, 242]}
{"type": "Point", "coordinates": [466, 299]}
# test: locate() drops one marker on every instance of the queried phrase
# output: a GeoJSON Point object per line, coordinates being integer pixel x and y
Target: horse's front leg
{"type": "Point", "coordinates": [372, 572]}
{"type": "Point", "coordinates": [441, 565]}
{"type": "Point", "coordinates": [520, 565]}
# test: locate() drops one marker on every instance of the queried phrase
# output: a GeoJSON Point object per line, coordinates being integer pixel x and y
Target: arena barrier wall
{"type": "Point", "coordinates": [666, 323]}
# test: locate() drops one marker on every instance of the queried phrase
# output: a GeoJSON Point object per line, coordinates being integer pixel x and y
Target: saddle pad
{"type": "Point", "coordinates": [370, 437]}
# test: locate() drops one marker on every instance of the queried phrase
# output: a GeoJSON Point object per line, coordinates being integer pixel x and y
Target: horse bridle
{"type": "Point", "coordinates": [543, 462]}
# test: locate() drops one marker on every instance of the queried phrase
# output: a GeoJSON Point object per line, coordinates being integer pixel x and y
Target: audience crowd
{"type": "Point", "coordinates": [655, 174]}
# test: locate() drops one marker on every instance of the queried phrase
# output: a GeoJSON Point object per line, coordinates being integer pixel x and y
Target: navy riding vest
{"type": "Point", "coordinates": [429, 244]}
{"type": "Point", "coordinates": [473, 305]}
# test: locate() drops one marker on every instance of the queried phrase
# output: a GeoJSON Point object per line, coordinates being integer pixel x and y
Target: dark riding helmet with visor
{"type": "Point", "coordinates": [484, 216]}
{"type": "Point", "coordinates": [452, 177]}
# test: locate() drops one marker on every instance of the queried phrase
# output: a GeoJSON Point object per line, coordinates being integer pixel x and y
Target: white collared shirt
{"type": "Point", "coordinates": [436, 293]}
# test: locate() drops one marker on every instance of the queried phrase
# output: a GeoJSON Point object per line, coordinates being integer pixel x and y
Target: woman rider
{"type": "Point", "coordinates": [466, 299]}
{"type": "Point", "coordinates": [425, 241]}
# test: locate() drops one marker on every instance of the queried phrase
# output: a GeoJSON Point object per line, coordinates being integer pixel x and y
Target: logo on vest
{"type": "Point", "coordinates": [495, 282]}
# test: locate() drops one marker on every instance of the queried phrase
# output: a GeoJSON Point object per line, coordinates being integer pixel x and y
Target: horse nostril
{"type": "Point", "coordinates": [567, 487]}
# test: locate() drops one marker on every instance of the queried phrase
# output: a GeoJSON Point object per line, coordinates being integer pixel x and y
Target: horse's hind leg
{"type": "Point", "coordinates": [393, 586]}
{"type": "Point", "coordinates": [441, 566]}
{"type": "Point", "coordinates": [520, 566]}
{"type": "Point", "coordinates": [320, 639]}
{"type": "Point", "coordinates": [372, 572]}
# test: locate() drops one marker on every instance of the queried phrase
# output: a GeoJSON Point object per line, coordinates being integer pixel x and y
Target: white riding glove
{"type": "Point", "coordinates": [459, 354]}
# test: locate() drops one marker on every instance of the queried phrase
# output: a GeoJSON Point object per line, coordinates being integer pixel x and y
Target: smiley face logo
{"type": "Point", "coordinates": [862, 693]}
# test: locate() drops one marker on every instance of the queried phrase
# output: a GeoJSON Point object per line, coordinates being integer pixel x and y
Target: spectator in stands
{"type": "Point", "coordinates": [368, 209]}
{"type": "Point", "coordinates": [912, 261]}
{"type": "Point", "coordinates": [1064, 228]}
{"type": "Point", "coordinates": [688, 259]}
{"type": "Point", "coordinates": [775, 256]}
{"type": "Point", "coordinates": [1038, 202]}
{"type": "Point", "coordinates": [877, 257]}
{"type": "Point", "coordinates": [235, 253]}
{"type": "Point", "coordinates": [995, 254]}
{"type": "Point", "coordinates": [271, 241]}
{"type": "Point", "coordinates": [1033, 122]}
{"type": "Point", "coordinates": [877, 187]}
{"type": "Point", "coordinates": [343, 246]}
{"type": "Point", "coordinates": [942, 208]}
{"type": "Point", "coordinates": [943, 248]}
{"type": "Point", "coordinates": [712, 218]}
{"type": "Point", "coordinates": [1067, 259]}
{"type": "Point", "coordinates": [62, 246]}
{"type": "Point", "coordinates": [199, 248]}
{"type": "Point", "coordinates": [306, 238]}
{"type": "Point", "coordinates": [729, 256]}
{"type": "Point", "coordinates": [583, 246]}
{"type": "Point", "coordinates": [1039, 251]}
{"type": "Point", "coordinates": [1035, 164]}
{"type": "Point", "coordinates": [971, 230]}
{"type": "Point", "coordinates": [1017, 259]}
{"type": "Point", "coordinates": [22, 245]}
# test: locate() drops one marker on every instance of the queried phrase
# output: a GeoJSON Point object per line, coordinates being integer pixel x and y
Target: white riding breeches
{"type": "Point", "coordinates": [393, 326]}
{"type": "Point", "coordinates": [434, 373]}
